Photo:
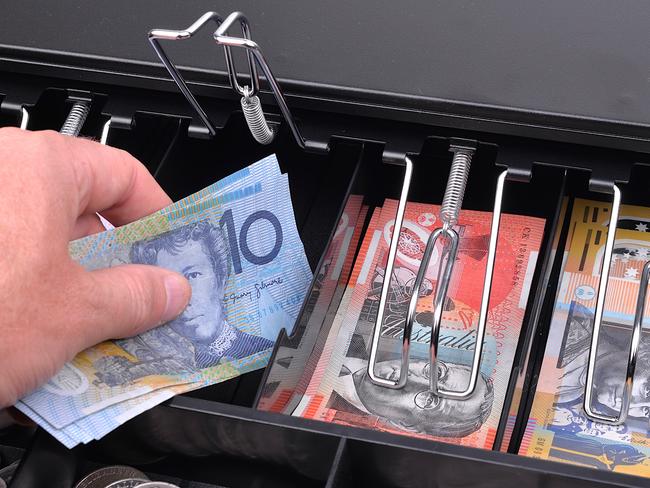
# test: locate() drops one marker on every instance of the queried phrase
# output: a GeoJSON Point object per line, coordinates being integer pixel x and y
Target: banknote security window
{"type": "Point", "coordinates": [369, 295]}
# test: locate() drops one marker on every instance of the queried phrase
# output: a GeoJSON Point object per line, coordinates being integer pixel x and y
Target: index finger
{"type": "Point", "coordinates": [112, 182]}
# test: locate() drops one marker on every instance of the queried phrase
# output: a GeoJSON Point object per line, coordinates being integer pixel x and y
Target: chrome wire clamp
{"type": "Point", "coordinates": [385, 287]}
{"type": "Point", "coordinates": [598, 319]}
{"type": "Point", "coordinates": [73, 122]}
{"type": "Point", "coordinates": [156, 35]}
{"type": "Point", "coordinates": [252, 48]}
{"type": "Point", "coordinates": [441, 292]}
{"type": "Point", "coordinates": [453, 196]}
{"type": "Point", "coordinates": [103, 139]}
{"type": "Point", "coordinates": [450, 209]}
{"type": "Point", "coordinates": [250, 102]}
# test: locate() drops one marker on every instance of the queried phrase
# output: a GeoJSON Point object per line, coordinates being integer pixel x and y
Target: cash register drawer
{"type": "Point", "coordinates": [215, 435]}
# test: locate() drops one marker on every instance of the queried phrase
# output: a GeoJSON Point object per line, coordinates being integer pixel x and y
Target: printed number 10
{"type": "Point", "coordinates": [236, 244]}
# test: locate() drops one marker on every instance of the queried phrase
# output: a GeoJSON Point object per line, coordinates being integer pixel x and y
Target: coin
{"type": "Point", "coordinates": [105, 476]}
{"type": "Point", "coordinates": [128, 483]}
{"type": "Point", "coordinates": [157, 484]}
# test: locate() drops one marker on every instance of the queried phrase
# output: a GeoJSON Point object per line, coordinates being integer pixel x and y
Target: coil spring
{"type": "Point", "coordinates": [256, 120]}
{"type": "Point", "coordinates": [75, 119]}
{"type": "Point", "coordinates": [455, 191]}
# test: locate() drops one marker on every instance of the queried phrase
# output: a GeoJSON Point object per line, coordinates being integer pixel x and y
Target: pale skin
{"type": "Point", "coordinates": [52, 308]}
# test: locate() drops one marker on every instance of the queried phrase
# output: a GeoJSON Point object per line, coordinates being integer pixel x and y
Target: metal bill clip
{"type": "Point", "coordinates": [598, 320]}
{"type": "Point", "coordinates": [250, 102]}
{"type": "Point", "coordinates": [450, 209]}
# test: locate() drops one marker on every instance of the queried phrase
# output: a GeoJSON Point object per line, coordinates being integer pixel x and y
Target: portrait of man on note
{"type": "Point", "coordinates": [413, 408]}
{"type": "Point", "coordinates": [609, 372]}
{"type": "Point", "coordinates": [201, 336]}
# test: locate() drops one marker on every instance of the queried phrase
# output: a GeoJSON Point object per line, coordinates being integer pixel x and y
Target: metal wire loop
{"type": "Point", "coordinates": [444, 276]}
{"type": "Point", "coordinates": [255, 59]}
{"type": "Point", "coordinates": [220, 35]}
{"type": "Point", "coordinates": [155, 35]}
{"type": "Point", "coordinates": [385, 287]}
{"type": "Point", "coordinates": [24, 119]}
{"type": "Point", "coordinates": [598, 319]}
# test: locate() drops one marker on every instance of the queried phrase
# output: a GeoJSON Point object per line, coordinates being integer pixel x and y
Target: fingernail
{"type": "Point", "coordinates": [178, 295]}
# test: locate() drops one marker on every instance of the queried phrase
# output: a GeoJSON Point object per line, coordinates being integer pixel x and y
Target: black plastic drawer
{"type": "Point", "coordinates": [215, 435]}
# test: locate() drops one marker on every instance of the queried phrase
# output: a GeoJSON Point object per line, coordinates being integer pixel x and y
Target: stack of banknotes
{"type": "Point", "coordinates": [557, 428]}
{"type": "Point", "coordinates": [334, 385]}
{"type": "Point", "coordinates": [237, 243]}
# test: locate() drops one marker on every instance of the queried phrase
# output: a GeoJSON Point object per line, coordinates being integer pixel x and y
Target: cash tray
{"type": "Point", "coordinates": [357, 141]}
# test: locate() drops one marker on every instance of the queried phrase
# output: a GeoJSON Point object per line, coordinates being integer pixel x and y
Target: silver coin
{"type": "Point", "coordinates": [157, 484]}
{"type": "Point", "coordinates": [128, 483]}
{"type": "Point", "coordinates": [105, 476]}
{"type": "Point", "coordinates": [2, 483]}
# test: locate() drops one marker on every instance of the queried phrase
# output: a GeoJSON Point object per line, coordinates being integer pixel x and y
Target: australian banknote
{"type": "Point", "coordinates": [558, 428]}
{"type": "Point", "coordinates": [319, 362]}
{"type": "Point", "coordinates": [295, 354]}
{"type": "Point", "coordinates": [341, 390]}
{"type": "Point", "coordinates": [248, 283]}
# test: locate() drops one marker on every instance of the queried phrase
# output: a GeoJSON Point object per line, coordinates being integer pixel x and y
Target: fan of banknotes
{"type": "Point", "coordinates": [237, 243]}
{"type": "Point", "coordinates": [557, 428]}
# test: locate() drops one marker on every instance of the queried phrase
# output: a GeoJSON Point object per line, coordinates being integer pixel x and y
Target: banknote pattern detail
{"type": "Point", "coordinates": [341, 391]}
{"type": "Point", "coordinates": [558, 428]}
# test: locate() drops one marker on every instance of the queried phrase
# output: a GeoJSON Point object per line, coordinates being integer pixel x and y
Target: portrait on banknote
{"type": "Point", "coordinates": [414, 408]}
{"type": "Point", "coordinates": [576, 438]}
{"type": "Point", "coordinates": [201, 336]}
{"type": "Point", "coordinates": [611, 364]}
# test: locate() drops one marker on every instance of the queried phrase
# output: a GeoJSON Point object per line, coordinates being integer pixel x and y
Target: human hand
{"type": "Point", "coordinates": [52, 187]}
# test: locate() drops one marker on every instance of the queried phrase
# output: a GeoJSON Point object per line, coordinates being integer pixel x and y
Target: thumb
{"type": "Point", "coordinates": [127, 300]}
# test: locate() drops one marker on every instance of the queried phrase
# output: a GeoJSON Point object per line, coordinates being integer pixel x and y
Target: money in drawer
{"type": "Point", "coordinates": [435, 230]}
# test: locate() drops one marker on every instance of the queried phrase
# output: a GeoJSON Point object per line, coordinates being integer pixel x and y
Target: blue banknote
{"type": "Point", "coordinates": [241, 251]}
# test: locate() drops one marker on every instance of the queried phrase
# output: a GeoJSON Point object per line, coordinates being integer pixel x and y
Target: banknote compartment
{"type": "Point", "coordinates": [524, 378]}
{"type": "Point", "coordinates": [630, 175]}
{"type": "Point", "coordinates": [377, 181]}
